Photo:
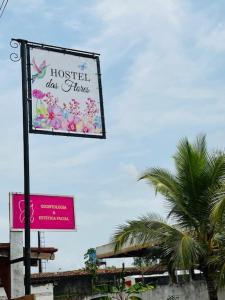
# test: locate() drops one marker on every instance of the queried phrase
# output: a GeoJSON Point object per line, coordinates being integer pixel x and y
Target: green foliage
{"type": "Point", "coordinates": [90, 260]}
{"type": "Point", "coordinates": [91, 265]}
{"type": "Point", "coordinates": [193, 234]}
{"type": "Point", "coordinates": [142, 262]}
{"type": "Point", "coordinates": [131, 292]}
{"type": "Point", "coordinates": [140, 288]}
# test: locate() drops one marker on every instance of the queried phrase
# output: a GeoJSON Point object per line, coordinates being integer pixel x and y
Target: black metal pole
{"type": "Point", "coordinates": [27, 259]}
{"type": "Point", "coordinates": [39, 246]}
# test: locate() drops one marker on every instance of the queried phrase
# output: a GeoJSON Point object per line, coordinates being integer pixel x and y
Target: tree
{"type": "Point", "coordinates": [141, 262]}
{"type": "Point", "coordinates": [192, 235]}
{"type": "Point", "coordinates": [91, 266]}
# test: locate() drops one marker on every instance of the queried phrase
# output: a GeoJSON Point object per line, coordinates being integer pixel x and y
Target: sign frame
{"type": "Point", "coordinates": [40, 229]}
{"type": "Point", "coordinates": [24, 56]}
{"type": "Point", "coordinates": [66, 51]}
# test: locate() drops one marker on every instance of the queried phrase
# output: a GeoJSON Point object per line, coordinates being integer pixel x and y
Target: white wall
{"type": "Point", "coordinates": [2, 294]}
{"type": "Point", "coordinates": [42, 292]}
{"type": "Point", "coordinates": [16, 269]}
{"type": "Point", "coordinates": [187, 291]}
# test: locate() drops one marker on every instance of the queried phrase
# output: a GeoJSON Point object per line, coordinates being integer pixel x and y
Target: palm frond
{"type": "Point", "coordinates": [195, 195]}
{"type": "Point", "coordinates": [145, 230]}
{"type": "Point", "coordinates": [162, 180]}
{"type": "Point", "coordinates": [190, 165]}
{"type": "Point", "coordinates": [200, 144]}
{"type": "Point", "coordinates": [218, 209]}
{"type": "Point", "coordinates": [216, 169]}
{"type": "Point", "coordinates": [168, 185]}
{"type": "Point", "coordinates": [221, 282]}
{"type": "Point", "coordinates": [184, 250]}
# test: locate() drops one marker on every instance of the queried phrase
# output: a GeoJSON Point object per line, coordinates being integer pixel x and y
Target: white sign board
{"type": "Point", "coordinates": [65, 90]}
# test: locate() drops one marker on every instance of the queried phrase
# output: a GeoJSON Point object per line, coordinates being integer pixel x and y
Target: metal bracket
{"type": "Point", "coordinates": [15, 57]}
{"type": "Point", "coordinates": [16, 260]}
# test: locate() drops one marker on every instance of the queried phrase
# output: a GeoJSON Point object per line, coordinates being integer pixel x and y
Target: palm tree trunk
{"type": "Point", "coordinates": [211, 284]}
{"type": "Point", "coordinates": [172, 273]}
{"type": "Point", "coordinates": [192, 274]}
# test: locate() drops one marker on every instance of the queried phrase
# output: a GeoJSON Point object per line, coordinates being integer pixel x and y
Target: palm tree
{"type": "Point", "coordinates": [192, 235]}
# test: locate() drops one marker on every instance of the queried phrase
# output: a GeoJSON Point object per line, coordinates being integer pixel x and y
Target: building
{"type": "Point", "coordinates": [8, 267]}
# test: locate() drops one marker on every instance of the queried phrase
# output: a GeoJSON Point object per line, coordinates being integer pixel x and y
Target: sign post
{"type": "Point", "coordinates": [27, 260]}
{"type": "Point", "coordinates": [62, 95]}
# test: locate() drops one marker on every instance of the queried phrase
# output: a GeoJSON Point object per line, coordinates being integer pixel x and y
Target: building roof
{"type": "Point", "coordinates": [56, 276]}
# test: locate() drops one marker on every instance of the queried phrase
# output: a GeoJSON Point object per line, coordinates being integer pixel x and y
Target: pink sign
{"type": "Point", "coordinates": [47, 212]}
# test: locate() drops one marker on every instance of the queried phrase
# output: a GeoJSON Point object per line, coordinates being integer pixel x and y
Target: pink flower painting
{"type": "Point", "coordinates": [71, 117]}
{"type": "Point", "coordinates": [38, 94]}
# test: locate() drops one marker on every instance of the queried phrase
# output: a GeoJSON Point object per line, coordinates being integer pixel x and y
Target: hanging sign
{"type": "Point", "coordinates": [47, 212]}
{"type": "Point", "coordinates": [65, 91]}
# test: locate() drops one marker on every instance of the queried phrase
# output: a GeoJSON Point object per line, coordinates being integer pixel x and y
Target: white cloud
{"type": "Point", "coordinates": [25, 7]}
{"type": "Point", "coordinates": [127, 24]}
{"type": "Point", "coordinates": [131, 170]}
{"type": "Point", "coordinates": [72, 24]}
{"type": "Point", "coordinates": [158, 89]}
{"type": "Point", "coordinates": [213, 38]}
{"type": "Point", "coordinates": [126, 204]}
{"type": "Point", "coordinates": [4, 229]}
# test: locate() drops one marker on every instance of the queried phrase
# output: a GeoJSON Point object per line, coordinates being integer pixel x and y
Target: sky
{"type": "Point", "coordinates": [162, 65]}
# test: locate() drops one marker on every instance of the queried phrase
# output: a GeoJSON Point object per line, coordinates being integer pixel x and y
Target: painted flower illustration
{"type": "Point", "coordinates": [91, 107]}
{"type": "Point", "coordinates": [71, 117]}
{"type": "Point", "coordinates": [71, 126]}
{"type": "Point", "coordinates": [54, 117]}
{"type": "Point", "coordinates": [38, 94]}
{"type": "Point", "coordinates": [74, 107]}
{"type": "Point", "coordinates": [97, 122]}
